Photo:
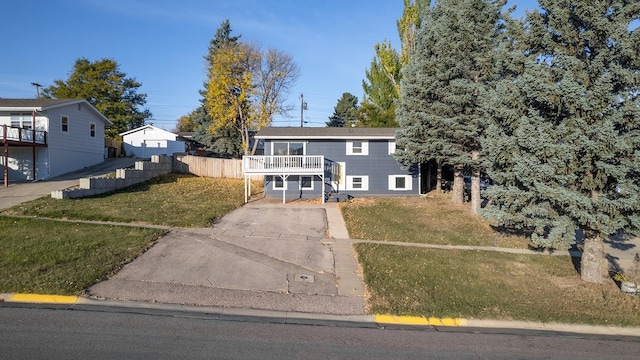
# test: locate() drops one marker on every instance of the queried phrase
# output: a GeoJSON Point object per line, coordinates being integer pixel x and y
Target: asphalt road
{"type": "Point", "coordinates": [56, 333]}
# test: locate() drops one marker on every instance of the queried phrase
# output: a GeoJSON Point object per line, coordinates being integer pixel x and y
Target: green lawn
{"type": "Point", "coordinates": [53, 257]}
{"type": "Point", "coordinates": [173, 200]}
{"type": "Point", "coordinates": [416, 281]}
{"type": "Point", "coordinates": [57, 257]}
{"type": "Point", "coordinates": [488, 285]}
{"type": "Point", "coordinates": [428, 220]}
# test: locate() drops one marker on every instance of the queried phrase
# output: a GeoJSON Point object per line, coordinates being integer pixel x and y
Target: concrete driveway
{"type": "Point", "coordinates": [261, 256]}
{"type": "Point", "coordinates": [21, 191]}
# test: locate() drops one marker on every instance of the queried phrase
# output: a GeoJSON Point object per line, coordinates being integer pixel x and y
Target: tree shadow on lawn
{"type": "Point", "coordinates": [574, 250]}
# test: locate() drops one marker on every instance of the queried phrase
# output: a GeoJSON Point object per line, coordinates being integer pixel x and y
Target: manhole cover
{"type": "Point", "coordinates": [305, 278]}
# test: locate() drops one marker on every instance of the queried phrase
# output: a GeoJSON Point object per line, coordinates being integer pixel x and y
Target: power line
{"type": "Point", "coordinates": [37, 85]}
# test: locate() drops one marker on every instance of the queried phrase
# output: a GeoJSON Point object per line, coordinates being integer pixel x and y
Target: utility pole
{"type": "Point", "coordinates": [37, 89]}
{"type": "Point", "coordinates": [303, 107]}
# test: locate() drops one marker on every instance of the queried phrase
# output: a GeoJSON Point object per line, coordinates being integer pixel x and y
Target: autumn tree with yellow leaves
{"type": "Point", "coordinates": [246, 88]}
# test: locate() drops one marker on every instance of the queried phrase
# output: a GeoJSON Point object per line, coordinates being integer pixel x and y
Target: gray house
{"type": "Point", "coordinates": [44, 138]}
{"type": "Point", "coordinates": [332, 163]}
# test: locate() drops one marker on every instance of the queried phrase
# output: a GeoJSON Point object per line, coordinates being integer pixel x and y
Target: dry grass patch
{"type": "Point", "coordinates": [173, 200]}
{"type": "Point", "coordinates": [431, 220]}
{"type": "Point", "coordinates": [488, 285]}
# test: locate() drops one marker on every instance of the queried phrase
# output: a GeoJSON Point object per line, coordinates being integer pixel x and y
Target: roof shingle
{"type": "Point", "coordinates": [325, 133]}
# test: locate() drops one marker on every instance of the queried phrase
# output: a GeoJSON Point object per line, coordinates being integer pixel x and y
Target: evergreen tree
{"type": "Point", "coordinates": [564, 142]}
{"type": "Point", "coordinates": [370, 115]}
{"type": "Point", "coordinates": [381, 89]}
{"type": "Point", "coordinates": [223, 142]}
{"type": "Point", "coordinates": [345, 113]}
{"type": "Point", "coordinates": [108, 89]}
{"type": "Point", "coordinates": [246, 86]}
{"type": "Point", "coordinates": [440, 110]}
{"type": "Point", "coordinates": [382, 84]}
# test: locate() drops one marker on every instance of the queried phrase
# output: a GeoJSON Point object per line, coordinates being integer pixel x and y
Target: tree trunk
{"type": "Point", "coordinates": [457, 193]}
{"type": "Point", "coordinates": [439, 177]}
{"type": "Point", "coordinates": [476, 201]}
{"type": "Point", "coordinates": [428, 182]}
{"type": "Point", "coordinates": [475, 192]}
{"type": "Point", "coordinates": [593, 268]}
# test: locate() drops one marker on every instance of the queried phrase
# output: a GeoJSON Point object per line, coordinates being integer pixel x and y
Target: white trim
{"type": "Point", "coordinates": [407, 181]}
{"type": "Point", "coordinates": [364, 186]}
{"type": "Point", "coordinates": [39, 108]}
{"type": "Point", "coordinates": [62, 116]}
{"type": "Point", "coordinates": [284, 183]}
{"type": "Point", "coordinates": [92, 125]}
{"type": "Point", "coordinates": [364, 149]}
{"type": "Point", "coordinates": [310, 182]}
{"type": "Point", "coordinates": [325, 137]}
{"type": "Point", "coordinates": [392, 147]}
{"type": "Point", "coordinates": [304, 145]}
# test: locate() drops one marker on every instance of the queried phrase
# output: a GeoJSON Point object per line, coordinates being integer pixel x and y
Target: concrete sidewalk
{"type": "Point", "coordinates": [260, 256]}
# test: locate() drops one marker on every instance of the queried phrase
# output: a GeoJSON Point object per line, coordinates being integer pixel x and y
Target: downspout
{"type": "Point", "coordinates": [6, 157]}
{"type": "Point", "coordinates": [33, 147]}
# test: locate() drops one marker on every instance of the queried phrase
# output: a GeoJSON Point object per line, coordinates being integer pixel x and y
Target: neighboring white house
{"type": "Point", "coordinates": [149, 140]}
{"type": "Point", "coordinates": [44, 138]}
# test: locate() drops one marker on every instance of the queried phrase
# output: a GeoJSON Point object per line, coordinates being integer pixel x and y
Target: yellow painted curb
{"type": "Point", "coordinates": [42, 299]}
{"type": "Point", "coordinates": [418, 320]}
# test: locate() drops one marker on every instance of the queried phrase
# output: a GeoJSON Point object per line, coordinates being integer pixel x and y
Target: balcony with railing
{"type": "Point", "coordinates": [283, 164]}
{"type": "Point", "coordinates": [11, 135]}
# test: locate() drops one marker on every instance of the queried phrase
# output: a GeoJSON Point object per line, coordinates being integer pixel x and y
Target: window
{"type": "Point", "coordinates": [279, 183]}
{"type": "Point", "coordinates": [288, 148]}
{"type": "Point", "coordinates": [357, 147]}
{"type": "Point", "coordinates": [399, 182]}
{"type": "Point", "coordinates": [92, 131]}
{"type": "Point", "coordinates": [22, 120]}
{"type": "Point", "coordinates": [306, 183]}
{"type": "Point", "coordinates": [358, 183]}
{"type": "Point", "coordinates": [65, 124]}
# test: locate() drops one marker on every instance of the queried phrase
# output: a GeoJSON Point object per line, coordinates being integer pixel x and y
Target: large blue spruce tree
{"type": "Point", "coordinates": [440, 110]}
{"type": "Point", "coordinates": [564, 143]}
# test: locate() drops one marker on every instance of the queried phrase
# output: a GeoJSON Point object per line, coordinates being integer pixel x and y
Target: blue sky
{"type": "Point", "coordinates": [161, 43]}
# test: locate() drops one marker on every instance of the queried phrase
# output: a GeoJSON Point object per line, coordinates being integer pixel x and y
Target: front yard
{"type": "Point", "coordinates": [56, 257]}
{"type": "Point", "coordinates": [470, 283]}
{"type": "Point", "coordinates": [49, 256]}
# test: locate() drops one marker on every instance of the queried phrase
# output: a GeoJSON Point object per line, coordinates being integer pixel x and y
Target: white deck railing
{"type": "Point", "coordinates": [22, 135]}
{"type": "Point", "coordinates": [277, 164]}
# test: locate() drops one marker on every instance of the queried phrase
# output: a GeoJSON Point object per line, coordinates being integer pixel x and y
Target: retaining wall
{"type": "Point", "coordinates": [143, 171]}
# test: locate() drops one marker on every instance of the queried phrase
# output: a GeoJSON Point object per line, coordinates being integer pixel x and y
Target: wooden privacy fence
{"type": "Point", "coordinates": [209, 167]}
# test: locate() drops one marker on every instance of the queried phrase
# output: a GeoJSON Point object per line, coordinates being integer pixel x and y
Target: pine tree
{"type": "Point", "coordinates": [382, 80]}
{"type": "Point", "coordinates": [564, 141]}
{"type": "Point", "coordinates": [381, 88]}
{"type": "Point", "coordinates": [440, 110]}
{"type": "Point", "coordinates": [345, 112]}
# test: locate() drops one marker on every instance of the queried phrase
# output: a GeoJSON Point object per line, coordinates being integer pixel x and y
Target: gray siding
{"type": "Point", "coordinates": [376, 167]}
{"type": "Point", "coordinates": [76, 148]}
